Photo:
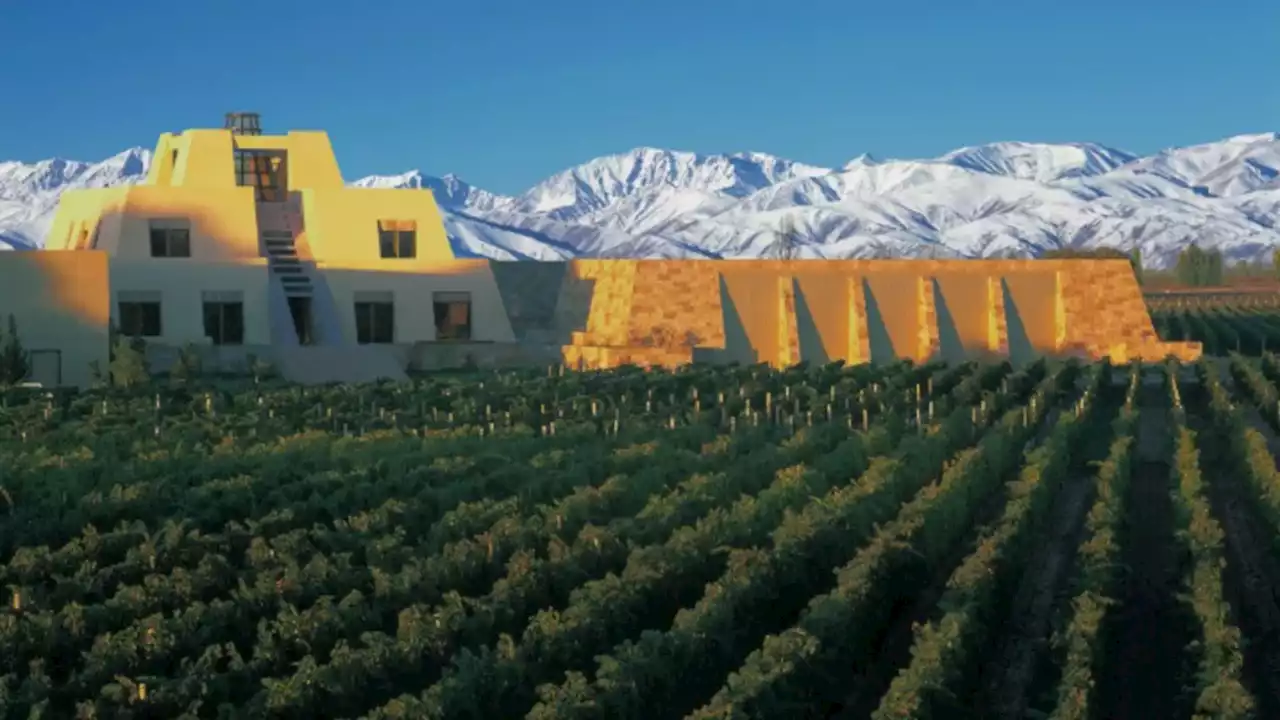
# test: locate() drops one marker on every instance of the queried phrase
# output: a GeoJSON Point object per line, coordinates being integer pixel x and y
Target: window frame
{"type": "Point", "coordinates": [169, 238]}
{"type": "Point", "coordinates": [217, 311]}
{"type": "Point", "coordinates": [375, 318]}
{"type": "Point", "coordinates": [397, 239]}
{"type": "Point", "coordinates": [442, 304]}
{"type": "Point", "coordinates": [262, 171]}
{"type": "Point", "coordinates": [139, 314]}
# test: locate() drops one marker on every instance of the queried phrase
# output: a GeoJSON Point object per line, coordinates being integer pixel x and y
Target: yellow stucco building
{"type": "Point", "coordinates": [239, 242]}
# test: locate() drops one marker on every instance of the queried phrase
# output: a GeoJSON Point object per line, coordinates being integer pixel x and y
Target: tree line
{"type": "Point", "coordinates": [1195, 267]}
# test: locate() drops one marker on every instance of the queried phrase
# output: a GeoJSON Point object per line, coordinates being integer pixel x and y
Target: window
{"type": "Point", "coordinates": [261, 170]}
{"type": "Point", "coordinates": [375, 318]}
{"type": "Point", "coordinates": [224, 318]}
{"type": "Point", "coordinates": [453, 315]}
{"type": "Point", "coordinates": [139, 313]}
{"type": "Point", "coordinates": [398, 238]}
{"type": "Point", "coordinates": [170, 238]}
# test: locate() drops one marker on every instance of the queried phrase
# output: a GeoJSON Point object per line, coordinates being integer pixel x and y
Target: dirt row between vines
{"type": "Point", "coordinates": [1148, 629]}
{"type": "Point", "coordinates": [1253, 572]}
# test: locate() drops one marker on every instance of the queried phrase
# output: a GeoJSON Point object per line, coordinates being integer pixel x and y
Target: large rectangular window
{"type": "Point", "coordinates": [398, 238]}
{"type": "Point", "coordinates": [375, 318]}
{"type": "Point", "coordinates": [262, 170]}
{"type": "Point", "coordinates": [224, 318]}
{"type": "Point", "coordinates": [138, 314]}
{"type": "Point", "coordinates": [170, 238]}
{"type": "Point", "coordinates": [452, 314]}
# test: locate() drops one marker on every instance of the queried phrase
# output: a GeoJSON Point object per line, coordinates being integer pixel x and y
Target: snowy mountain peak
{"type": "Point", "coordinates": [450, 191]}
{"type": "Point", "coordinates": [594, 186]}
{"type": "Point", "coordinates": [998, 199]}
{"type": "Point", "coordinates": [21, 180]}
{"type": "Point", "coordinates": [862, 160]}
{"type": "Point", "coordinates": [1040, 162]}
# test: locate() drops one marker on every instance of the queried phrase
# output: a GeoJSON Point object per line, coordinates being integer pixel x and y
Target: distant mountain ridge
{"type": "Point", "coordinates": [1000, 199]}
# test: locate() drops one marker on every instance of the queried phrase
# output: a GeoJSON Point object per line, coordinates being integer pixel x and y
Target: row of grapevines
{"type": "Point", "coordinates": [945, 650]}
{"type": "Point", "coordinates": [796, 672]}
{"type": "Point", "coordinates": [1257, 389]}
{"type": "Point", "coordinates": [1247, 447]}
{"type": "Point", "coordinates": [1097, 572]}
{"type": "Point", "coordinates": [1220, 693]}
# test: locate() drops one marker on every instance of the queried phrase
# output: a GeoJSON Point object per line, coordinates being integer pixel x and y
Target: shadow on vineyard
{"type": "Point", "coordinates": [887, 541]}
{"type": "Point", "coordinates": [1144, 672]}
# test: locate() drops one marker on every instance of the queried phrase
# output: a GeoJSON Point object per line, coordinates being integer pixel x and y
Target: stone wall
{"type": "Point", "coordinates": [667, 312]}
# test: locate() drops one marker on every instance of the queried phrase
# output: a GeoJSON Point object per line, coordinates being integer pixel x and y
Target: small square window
{"type": "Point", "coordinates": [138, 314]}
{"type": "Point", "coordinates": [170, 238]}
{"type": "Point", "coordinates": [375, 318]}
{"type": "Point", "coordinates": [452, 315]}
{"type": "Point", "coordinates": [398, 239]}
{"type": "Point", "coordinates": [224, 318]}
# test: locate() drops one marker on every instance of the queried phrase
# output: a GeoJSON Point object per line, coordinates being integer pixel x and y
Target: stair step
{"type": "Point", "coordinates": [291, 269]}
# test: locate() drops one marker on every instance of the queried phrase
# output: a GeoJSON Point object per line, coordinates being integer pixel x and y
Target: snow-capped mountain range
{"type": "Point", "coordinates": [1002, 199]}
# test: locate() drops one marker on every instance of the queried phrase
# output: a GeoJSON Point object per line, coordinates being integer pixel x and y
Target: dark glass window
{"type": "Point", "coordinates": [262, 171]}
{"type": "Point", "coordinates": [375, 322]}
{"type": "Point", "coordinates": [397, 239]}
{"type": "Point", "coordinates": [168, 240]}
{"type": "Point", "coordinates": [224, 322]}
{"type": "Point", "coordinates": [140, 319]}
{"type": "Point", "coordinates": [452, 315]}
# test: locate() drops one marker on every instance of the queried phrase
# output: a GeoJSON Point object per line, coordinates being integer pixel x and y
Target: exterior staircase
{"type": "Point", "coordinates": [326, 361]}
{"type": "Point", "coordinates": [282, 260]}
{"type": "Point", "coordinates": [278, 226]}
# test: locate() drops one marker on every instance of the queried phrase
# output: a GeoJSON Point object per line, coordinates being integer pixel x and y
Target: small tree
{"type": "Point", "coordinates": [787, 246]}
{"type": "Point", "coordinates": [15, 361]}
{"type": "Point", "coordinates": [187, 367]}
{"type": "Point", "coordinates": [259, 368]}
{"type": "Point", "coordinates": [129, 362]}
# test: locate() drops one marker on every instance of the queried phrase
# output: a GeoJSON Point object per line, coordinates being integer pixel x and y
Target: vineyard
{"type": "Point", "coordinates": [1063, 539]}
{"type": "Point", "coordinates": [1242, 323]}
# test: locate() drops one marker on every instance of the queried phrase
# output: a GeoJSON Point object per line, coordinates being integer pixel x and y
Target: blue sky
{"type": "Point", "coordinates": [504, 93]}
